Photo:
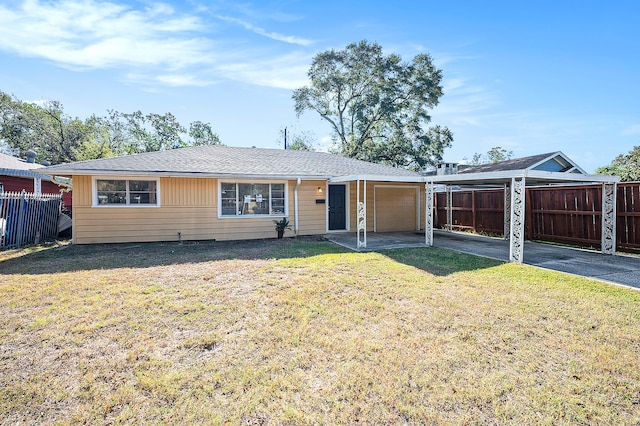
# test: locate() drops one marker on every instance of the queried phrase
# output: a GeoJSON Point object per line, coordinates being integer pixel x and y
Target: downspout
{"type": "Point", "coordinates": [295, 205]}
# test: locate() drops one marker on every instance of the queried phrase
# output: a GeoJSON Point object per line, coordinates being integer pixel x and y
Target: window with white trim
{"type": "Point", "coordinates": [252, 199]}
{"type": "Point", "coordinates": [126, 192]}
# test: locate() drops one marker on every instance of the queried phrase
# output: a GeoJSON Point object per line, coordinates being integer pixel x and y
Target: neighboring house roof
{"type": "Point", "coordinates": [12, 166]}
{"type": "Point", "coordinates": [223, 161]}
{"type": "Point", "coordinates": [9, 162]}
{"type": "Point", "coordinates": [549, 162]}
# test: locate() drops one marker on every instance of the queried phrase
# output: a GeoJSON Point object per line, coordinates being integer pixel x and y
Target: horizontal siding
{"type": "Point", "coordinates": [312, 216]}
{"type": "Point", "coordinates": [245, 229]}
{"type": "Point", "coordinates": [93, 225]}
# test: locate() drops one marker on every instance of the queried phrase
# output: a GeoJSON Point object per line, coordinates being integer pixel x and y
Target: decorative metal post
{"type": "Point", "coordinates": [516, 244]}
{"type": "Point", "coordinates": [362, 217]}
{"type": "Point", "coordinates": [428, 214]}
{"type": "Point", "coordinates": [609, 218]}
{"type": "Point", "coordinates": [507, 211]}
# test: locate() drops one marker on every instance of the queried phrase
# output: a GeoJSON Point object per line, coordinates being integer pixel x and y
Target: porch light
{"type": "Point", "coordinates": [320, 189]}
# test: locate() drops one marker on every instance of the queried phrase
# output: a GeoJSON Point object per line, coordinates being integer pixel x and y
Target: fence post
{"type": "Point", "coordinates": [449, 208]}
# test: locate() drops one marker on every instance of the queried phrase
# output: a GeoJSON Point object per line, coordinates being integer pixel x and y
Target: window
{"type": "Point", "coordinates": [126, 192]}
{"type": "Point", "coordinates": [252, 199]}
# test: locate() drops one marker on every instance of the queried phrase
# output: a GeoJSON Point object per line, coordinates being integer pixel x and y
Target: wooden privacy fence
{"type": "Point", "coordinates": [27, 218]}
{"type": "Point", "coordinates": [563, 214]}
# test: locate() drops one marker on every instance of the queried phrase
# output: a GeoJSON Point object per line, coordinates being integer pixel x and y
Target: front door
{"type": "Point", "coordinates": [337, 208]}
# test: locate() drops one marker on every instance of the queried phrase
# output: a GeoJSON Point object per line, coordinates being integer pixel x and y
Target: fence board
{"type": "Point", "coordinates": [27, 218]}
{"type": "Point", "coordinates": [563, 214]}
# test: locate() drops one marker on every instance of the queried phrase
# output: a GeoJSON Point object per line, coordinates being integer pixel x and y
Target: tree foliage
{"type": "Point", "coordinates": [627, 166]}
{"type": "Point", "coordinates": [59, 138]}
{"type": "Point", "coordinates": [494, 155]}
{"type": "Point", "coordinates": [299, 141]}
{"type": "Point", "coordinates": [377, 105]}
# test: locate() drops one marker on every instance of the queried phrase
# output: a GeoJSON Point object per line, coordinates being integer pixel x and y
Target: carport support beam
{"type": "Point", "coordinates": [516, 234]}
{"type": "Point", "coordinates": [609, 218]}
{"type": "Point", "coordinates": [428, 214]}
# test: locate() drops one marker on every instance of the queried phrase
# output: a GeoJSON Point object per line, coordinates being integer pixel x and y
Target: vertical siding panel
{"type": "Point", "coordinates": [82, 190]}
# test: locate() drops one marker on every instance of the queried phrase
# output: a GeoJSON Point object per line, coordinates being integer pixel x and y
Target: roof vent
{"type": "Point", "coordinates": [31, 156]}
{"type": "Point", "coordinates": [46, 163]}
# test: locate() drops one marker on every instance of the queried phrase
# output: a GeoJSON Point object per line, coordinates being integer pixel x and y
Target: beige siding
{"type": "Point", "coordinates": [81, 191]}
{"type": "Point", "coordinates": [312, 216]}
{"type": "Point", "coordinates": [395, 208]}
{"type": "Point", "coordinates": [189, 192]}
{"type": "Point", "coordinates": [370, 202]}
{"type": "Point", "coordinates": [189, 207]}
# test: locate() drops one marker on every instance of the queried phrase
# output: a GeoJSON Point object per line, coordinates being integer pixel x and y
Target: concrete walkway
{"type": "Point", "coordinates": [618, 269]}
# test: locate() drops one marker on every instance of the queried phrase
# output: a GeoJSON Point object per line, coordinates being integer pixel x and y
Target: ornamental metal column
{"type": "Point", "coordinates": [428, 214]}
{"type": "Point", "coordinates": [449, 209]}
{"type": "Point", "coordinates": [507, 211]}
{"type": "Point", "coordinates": [609, 218]}
{"type": "Point", "coordinates": [362, 216]}
{"type": "Point", "coordinates": [516, 234]}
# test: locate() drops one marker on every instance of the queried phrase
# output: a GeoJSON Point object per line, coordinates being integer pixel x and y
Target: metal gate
{"type": "Point", "coordinates": [27, 218]}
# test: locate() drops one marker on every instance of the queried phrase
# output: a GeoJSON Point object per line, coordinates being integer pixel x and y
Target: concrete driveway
{"type": "Point", "coordinates": [619, 269]}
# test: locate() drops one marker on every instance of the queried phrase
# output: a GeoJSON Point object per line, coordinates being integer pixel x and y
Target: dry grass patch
{"type": "Point", "coordinates": [303, 332]}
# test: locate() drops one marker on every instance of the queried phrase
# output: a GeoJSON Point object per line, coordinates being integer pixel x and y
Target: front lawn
{"type": "Point", "coordinates": [305, 332]}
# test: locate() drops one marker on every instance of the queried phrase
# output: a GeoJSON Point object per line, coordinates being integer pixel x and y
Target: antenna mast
{"type": "Point", "coordinates": [285, 138]}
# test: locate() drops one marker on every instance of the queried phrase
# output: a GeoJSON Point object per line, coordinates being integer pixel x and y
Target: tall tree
{"type": "Point", "coordinates": [42, 127]}
{"type": "Point", "coordinates": [627, 166]}
{"type": "Point", "coordinates": [202, 134]}
{"type": "Point", "coordinates": [377, 105]}
{"type": "Point", "coordinates": [59, 138]}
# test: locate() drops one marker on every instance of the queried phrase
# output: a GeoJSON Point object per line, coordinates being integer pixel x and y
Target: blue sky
{"type": "Point", "coordinates": [531, 77]}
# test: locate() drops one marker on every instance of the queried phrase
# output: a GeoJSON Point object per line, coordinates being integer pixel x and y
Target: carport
{"type": "Point", "coordinates": [513, 182]}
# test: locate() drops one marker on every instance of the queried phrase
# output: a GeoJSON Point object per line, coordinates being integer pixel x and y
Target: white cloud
{"type": "Point", "coordinates": [284, 72]}
{"type": "Point", "coordinates": [151, 45]}
{"type": "Point", "coordinates": [260, 31]}
{"type": "Point", "coordinates": [88, 34]}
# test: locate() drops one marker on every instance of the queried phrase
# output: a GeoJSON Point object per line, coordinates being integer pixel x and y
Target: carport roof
{"type": "Point", "coordinates": [532, 177]}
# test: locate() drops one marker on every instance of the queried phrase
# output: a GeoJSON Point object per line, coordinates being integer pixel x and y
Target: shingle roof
{"type": "Point", "coordinates": [215, 160]}
{"type": "Point", "coordinates": [9, 162]}
{"type": "Point", "coordinates": [12, 166]}
{"type": "Point", "coordinates": [514, 164]}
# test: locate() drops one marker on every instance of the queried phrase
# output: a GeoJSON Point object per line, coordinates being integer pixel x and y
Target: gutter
{"type": "Point", "coordinates": [295, 205]}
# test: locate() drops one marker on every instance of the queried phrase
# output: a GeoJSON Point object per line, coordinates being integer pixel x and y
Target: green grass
{"type": "Point", "coordinates": [305, 332]}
